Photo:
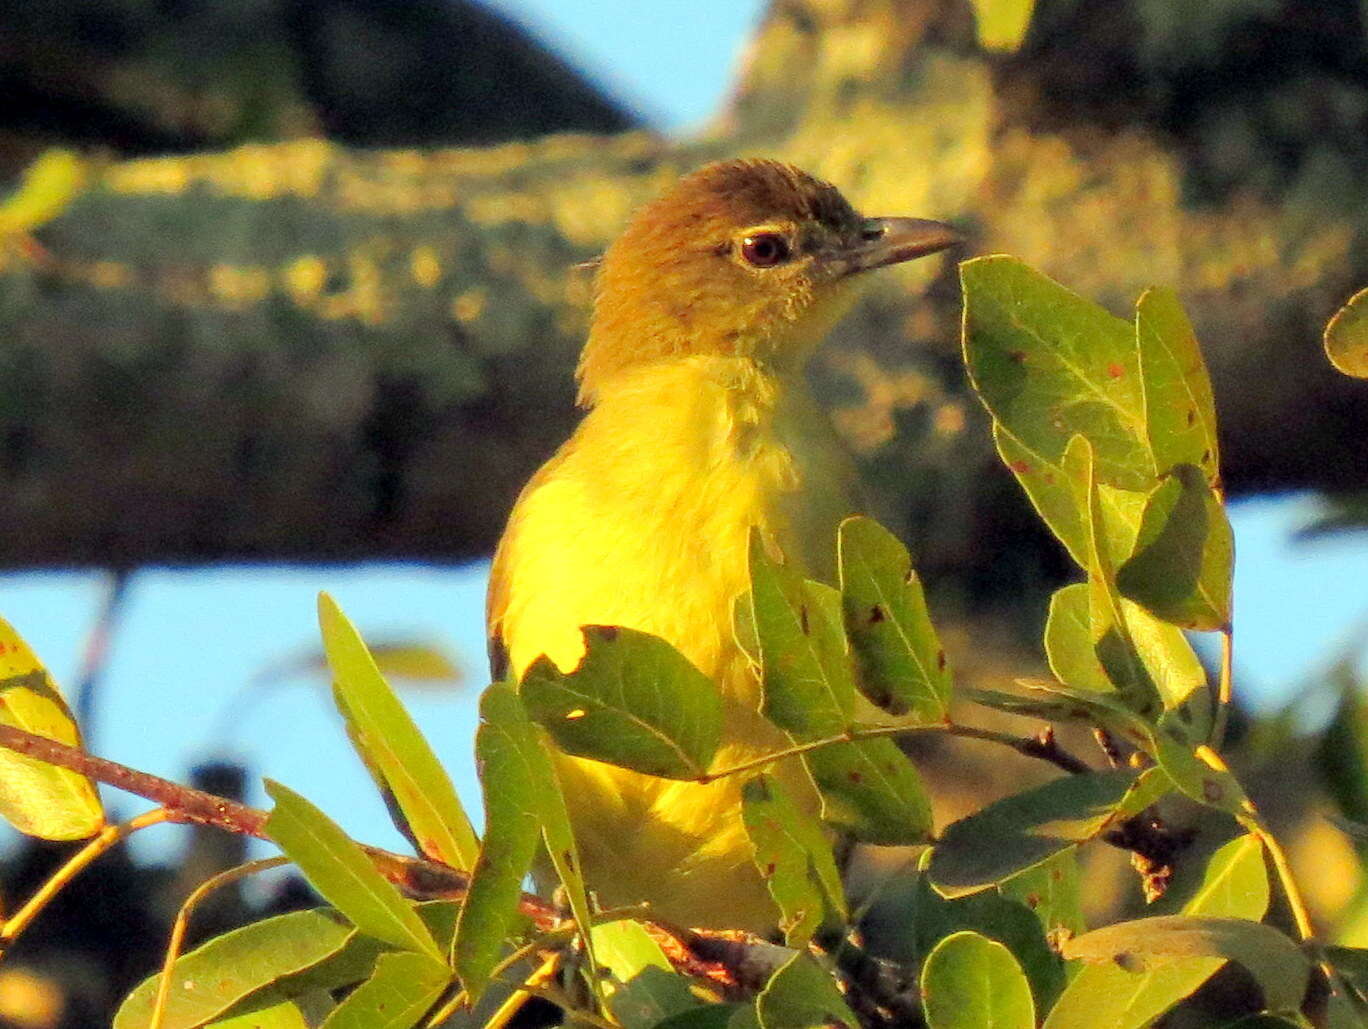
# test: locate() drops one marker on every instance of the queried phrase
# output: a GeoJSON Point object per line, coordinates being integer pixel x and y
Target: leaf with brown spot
{"type": "Point", "coordinates": [899, 661]}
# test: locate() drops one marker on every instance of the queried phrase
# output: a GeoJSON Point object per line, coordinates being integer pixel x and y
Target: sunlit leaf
{"type": "Point", "coordinates": [972, 982]}
{"type": "Point", "coordinates": [339, 869]}
{"type": "Point", "coordinates": [871, 790]}
{"type": "Point", "coordinates": [869, 787]}
{"type": "Point", "coordinates": [1111, 637]}
{"type": "Point", "coordinates": [392, 746]}
{"type": "Point", "coordinates": [1050, 365]}
{"type": "Point", "coordinates": [1184, 556]}
{"type": "Point", "coordinates": [281, 1014]}
{"type": "Point", "coordinates": [1235, 885]}
{"type": "Point", "coordinates": [37, 798]}
{"type": "Point", "coordinates": [634, 701]}
{"type": "Point", "coordinates": [1048, 489]}
{"type": "Point", "coordinates": [208, 981]}
{"type": "Point", "coordinates": [396, 996]}
{"type": "Point", "coordinates": [900, 663]}
{"type": "Point", "coordinates": [1053, 893]}
{"type": "Point", "coordinates": [1180, 414]}
{"type": "Point", "coordinates": [809, 683]}
{"type": "Point", "coordinates": [1277, 963]}
{"type": "Point", "coordinates": [1168, 658]}
{"type": "Point", "coordinates": [1025, 829]}
{"type": "Point", "coordinates": [803, 995]}
{"type": "Point", "coordinates": [794, 857]}
{"type": "Point", "coordinates": [642, 986]}
{"type": "Point", "coordinates": [515, 771]}
{"type": "Point", "coordinates": [1346, 337]}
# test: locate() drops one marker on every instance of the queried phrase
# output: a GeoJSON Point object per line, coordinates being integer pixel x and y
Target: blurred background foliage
{"type": "Point", "coordinates": [310, 294]}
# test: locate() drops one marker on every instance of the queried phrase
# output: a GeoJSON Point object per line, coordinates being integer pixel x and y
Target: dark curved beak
{"type": "Point", "coordinates": [894, 240]}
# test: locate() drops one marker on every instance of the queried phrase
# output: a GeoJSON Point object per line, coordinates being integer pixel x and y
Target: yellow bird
{"type": "Point", "coordinates": [700, 426]}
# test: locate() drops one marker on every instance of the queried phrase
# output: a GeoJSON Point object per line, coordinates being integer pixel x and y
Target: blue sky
{"type": "Point", "coordinates": [191, 641]}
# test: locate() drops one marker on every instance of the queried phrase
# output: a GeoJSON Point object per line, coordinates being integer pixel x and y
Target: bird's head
{"type": "Point", "coordinates": [749, 258]}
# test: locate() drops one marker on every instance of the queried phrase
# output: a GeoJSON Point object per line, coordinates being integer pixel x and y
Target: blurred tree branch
{"type": "Point", "coordinates": [297, 351]}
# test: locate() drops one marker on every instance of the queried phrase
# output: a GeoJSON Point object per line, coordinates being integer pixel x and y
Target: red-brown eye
{"type": "Point", "coordinates": [765, 249]}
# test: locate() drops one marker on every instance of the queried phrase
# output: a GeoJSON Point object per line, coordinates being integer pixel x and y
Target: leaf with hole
{"type": "Point", "coordinates": [634, 701]}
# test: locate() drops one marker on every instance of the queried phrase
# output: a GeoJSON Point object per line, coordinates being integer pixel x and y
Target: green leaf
{"type": "Point", "coordinates": [1204, 779]}
{"type": "Point", "coordinates": [1352, 964]}
{"type": "Point", "coordinates": [209, 980]}
{"type": "Point", "coordinates": [1050, 365]}
{"type": "Point", "coordinates": [1023, 830]}
{"type": "Point", "coordinates": [1184, 555]}
{"type": "Point", "coordinates": [643, 988]}
{"type": "Point", "coordinates": [803, 995]}
{"type": "Point", "coordinates": [392, 746]}
{"type": "Point", "coordinates": [37, 798]}
{"type": "Point", "coordinates": [1180, 414]}
{"type": "Point", "coordinates": [559, 837]}
{"type": "Point", "coordinates": [398, 994]}
{"type": "Point", "coordinates": [809, 684]}
{"type": "Point", "coordinates": [515, 772]}
{"type": "Point", "coordinates": [634, 701]}
{"type": "Point", "coordinates": [869, 787]}
{"type": "Point", "coordinates": [283, 1014]}
{"type": "Point", "coordinates": [1277, 963]}
{"type": "Point", "coordinates": [1051, 890]}
{"type": "Point", "coordinates": [1168, 658]}
{"type": "Point", "coordinates": [871, 790]}
{"type": "Point", "coordinates": [713, 1016]}
{"type": "Point", "coordinates": [1235, 885]}
{"type": "Point", "coordinates": [1346, 337]}
{"type": "Point", "coordinates": [1111, 639]}
{"type": "Point", "coordinates": [1002, 24]}
{"type": "Point", "coordinates": [339, 869]}
{"type": "Point", "coordinates": [972, 982]}
{"type": "Point", "coordinates": [1048, 489]}
{"type": "Point", "coordinates": [910, 918]}
{"type": "Point", "coordinates": [794, 857]}
{"type": "Point", "coordinates": [900, 663]}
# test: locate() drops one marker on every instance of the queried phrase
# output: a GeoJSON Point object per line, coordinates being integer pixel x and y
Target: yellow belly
{"type": "Point", "coordinates": [643, 520]}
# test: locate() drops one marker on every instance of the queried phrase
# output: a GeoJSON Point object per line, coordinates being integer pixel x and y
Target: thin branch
{"type": "Point", "coordinates": [1041, 746]}
{"type": "Point", "coordinates": [184, 804]}
{"type": "Point", "coordinates": [1225, 690]}
{"type": "Point", "coordinates": [182, 924]}
{"type": "Point", "coordinates": [101, 843]}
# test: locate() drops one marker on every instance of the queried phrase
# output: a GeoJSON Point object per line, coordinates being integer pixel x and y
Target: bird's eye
{"type": "Point", "coordinates": [765, 249]}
